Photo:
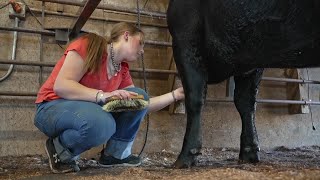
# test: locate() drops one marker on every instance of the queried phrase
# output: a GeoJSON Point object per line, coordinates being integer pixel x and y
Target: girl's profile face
{"type": "Point", "coordinates": [134, 47]}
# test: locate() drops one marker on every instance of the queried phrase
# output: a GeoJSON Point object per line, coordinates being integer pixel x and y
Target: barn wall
{"type": "Point", "coordinates": [221, 122]}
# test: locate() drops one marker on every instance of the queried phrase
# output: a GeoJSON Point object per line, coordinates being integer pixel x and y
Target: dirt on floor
{"type": "Point", "coordinates": [219, 163]}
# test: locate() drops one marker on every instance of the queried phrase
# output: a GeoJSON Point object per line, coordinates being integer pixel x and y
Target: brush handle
{"type": "Point", "coordinates": [132, 97]}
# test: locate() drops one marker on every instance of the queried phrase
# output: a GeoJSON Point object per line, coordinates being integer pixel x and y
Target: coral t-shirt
{"type": "Point", "coordinates": [97, 80]}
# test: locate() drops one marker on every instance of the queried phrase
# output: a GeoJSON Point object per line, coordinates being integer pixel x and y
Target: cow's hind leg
{"type": "Point", "coordinates": [193, 76]}
{"type": "Point", "coordinates": [246, 91]}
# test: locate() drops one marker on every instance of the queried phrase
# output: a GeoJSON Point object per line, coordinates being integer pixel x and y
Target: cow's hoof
{"type": "Point", "coordinates": [249, 157]}
{"type": "Point", "coordinates": [184, 162]}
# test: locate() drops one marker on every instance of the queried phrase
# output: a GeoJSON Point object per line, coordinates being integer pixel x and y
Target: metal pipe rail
{"type": "Point", "coordinates": [159, 43]}
{"type": "Point", "coordinates": [266, 101]}
{"type": "Point", "coordinates": [290, 80]}
{"type": "Point", "coordinates": [34, 31]}
{"type": "Point", "coordinates": [27, 63]}
{"type": "Point", "coordinates": [269, 101]}
{"type": "Point", "coordinates": [10, 93]}
{"type": "Point", "coordinates": [109, 7]}
{"type": "Point", "coordinates": [38, 11]}
{"type": "Point", "coordinates": [50, 33]}
{"type": "Point", "coordinates": [50, 64]}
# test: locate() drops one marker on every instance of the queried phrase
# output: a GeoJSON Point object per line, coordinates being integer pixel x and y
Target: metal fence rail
{"type": "Point", "coordinates": [270, 101]}
{"type": "Point", "coordinates": [110, 7]}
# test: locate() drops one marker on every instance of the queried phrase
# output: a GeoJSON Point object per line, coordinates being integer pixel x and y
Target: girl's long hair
{"type": "Point", "coordinates": [95, 49]}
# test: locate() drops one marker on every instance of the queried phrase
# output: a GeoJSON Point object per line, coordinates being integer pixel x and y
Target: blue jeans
{"type": "Point", "coordinates": [77, 126]}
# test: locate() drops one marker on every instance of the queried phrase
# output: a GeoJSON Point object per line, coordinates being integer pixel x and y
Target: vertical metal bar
{"type": "Point", "coordinates": [14, 49]}
{"type": "Point", "coordinates": [41, 45]}
{"type": "Point", "coordinates": [87, 10]}
{"type": "Point", "coordinates": [15, 39]}
{"type": "Point", "coordinates": [230, 87]}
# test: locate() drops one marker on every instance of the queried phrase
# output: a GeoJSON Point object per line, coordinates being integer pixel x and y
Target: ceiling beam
{"type": "Point", "coordinates": [87, 10]}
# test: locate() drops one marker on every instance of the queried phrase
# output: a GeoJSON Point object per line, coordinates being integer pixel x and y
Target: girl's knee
{"type": "Point", "coordinates": [99, 129]}
{"type": "Point", "coordinates": [104, 126]}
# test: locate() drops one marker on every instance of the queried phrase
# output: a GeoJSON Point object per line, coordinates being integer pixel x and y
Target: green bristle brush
{"type": "Point", "coordinates": [115, 104]}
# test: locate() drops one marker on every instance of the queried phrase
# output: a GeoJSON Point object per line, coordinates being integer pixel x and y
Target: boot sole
{"type": "Point", "coordinates": [119, 165]}
{"type": "Point", "coordinates": [55, 171]}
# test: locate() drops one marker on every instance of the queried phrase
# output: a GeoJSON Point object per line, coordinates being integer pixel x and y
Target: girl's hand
{"type": "Point", "coordinates": [179, 93]}
{"type": "Point", "coordinates": [122, 94]}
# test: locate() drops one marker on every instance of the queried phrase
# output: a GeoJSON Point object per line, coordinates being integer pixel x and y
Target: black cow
{"type": "Point", "coordinates": [216, 39]}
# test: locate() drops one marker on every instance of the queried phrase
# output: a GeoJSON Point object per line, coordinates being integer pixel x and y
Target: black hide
{"type": "Point", "coordinates": [216, 39]}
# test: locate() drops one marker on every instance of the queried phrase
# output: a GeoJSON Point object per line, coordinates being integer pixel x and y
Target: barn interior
{"type": "Point", "coordinates": [33, 36]}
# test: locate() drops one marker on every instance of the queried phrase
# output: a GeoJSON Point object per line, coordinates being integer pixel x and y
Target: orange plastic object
{"type": "Point", "coordinates": [16, 7]}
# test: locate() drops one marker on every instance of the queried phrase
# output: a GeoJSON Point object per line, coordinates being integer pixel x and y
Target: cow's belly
{"type": "Point", "coordinates": [218, 72]}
